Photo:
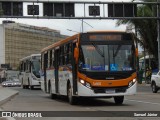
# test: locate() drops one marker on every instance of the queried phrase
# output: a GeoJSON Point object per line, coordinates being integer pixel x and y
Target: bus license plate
{"type": "Point", "coordinates": [110, 91]}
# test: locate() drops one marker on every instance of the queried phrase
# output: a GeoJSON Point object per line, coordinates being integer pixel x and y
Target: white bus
{"type": "Point", "coordinates": [94, 64]}
{"type": "Point", "coordinates": [29, 71]}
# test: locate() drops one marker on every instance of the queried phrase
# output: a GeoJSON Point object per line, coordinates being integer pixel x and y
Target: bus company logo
{"type": "Point", "coordinates": [6, 114]}
{"type": "Point", "coordinates": [110, 83]}
{"type": "Point", "coordinates": [21, 114]}
{"type": "Point", "coordinates": [97, 83]}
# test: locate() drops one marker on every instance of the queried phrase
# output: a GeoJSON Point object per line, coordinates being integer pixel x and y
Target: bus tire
{"type": "Point", "coordinates": [118, 100]}
{"type": "Point", "coordinates": [52, 96]}
{"type": "Point", "coordinates": [154, 87]}
{"type": "Point", "coordinates": [23, 86]}
{"type": "Point", "coordinates": [27, 86]}
{"type": "Point", "coordinates": [71, 98]}
{"type": "Point", "coordinates": [31, 87]}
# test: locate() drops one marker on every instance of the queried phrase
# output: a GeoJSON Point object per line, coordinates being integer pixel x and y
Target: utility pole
{"type": "Point", "coordinates": [82, 25]}
{"type": "Point", "coordinates": [86, 24]}
{"type": "Point", "coordinates": [158, 30]}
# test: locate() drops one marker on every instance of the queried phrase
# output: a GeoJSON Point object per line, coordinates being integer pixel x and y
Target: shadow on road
{"type": "Point", "coordinates": [89, 101]}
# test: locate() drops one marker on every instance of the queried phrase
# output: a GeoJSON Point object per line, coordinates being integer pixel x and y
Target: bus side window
{"type": "Point", "coordinates": [45, 60]}
{"type": "Point", "coordinates": [53, 61]}
{"type": "Point", "coordinates": [42, 61]}
{"type": "Point", "coordinates": [48, 60]}
{"type": "Point", "coordinates": [65, 54]}
{"type": "Point", "coordinates": [70, 53]}
{"type": "Point", "coordinates": [21, 67]}
{"type": "Point", "coordinates": [24, 65]}
{"type": "Point", "coordinates": [27, 66]}
{"type": "Point", "coordinates": [59, 53]}
{"type": "Point", "coordinates": [30, 66]}
{"type": "Point", "coordinates": [61, 57]}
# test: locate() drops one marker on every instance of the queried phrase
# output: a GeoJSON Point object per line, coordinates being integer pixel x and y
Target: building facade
{"type": "Point", "coordinates": [20, 40]}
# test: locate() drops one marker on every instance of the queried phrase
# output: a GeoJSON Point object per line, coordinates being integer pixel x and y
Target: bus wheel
{"type": "Point", "coordinates": [52, 96]}
{"type": "Point", "coordinates": [118, 99]}
{"type": "Point", "coordinates": [24, 86]}
{"type": "Point", "coordinates": [154, 87]}
{"type": "Point", "coordinates": [27, 86]}
{"type": "Point", "coordinates": [71, 99]}
{"type": "Point", "coordinates": [31, 87]}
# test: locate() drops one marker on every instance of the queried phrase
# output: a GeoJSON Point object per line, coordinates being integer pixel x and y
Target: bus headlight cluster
{"type": "Point", "coordinates": [131, 82]}
{"type": "Point", "coordinates": [88, 85]}
{"type": "Point", "coordinates": [34, 78]}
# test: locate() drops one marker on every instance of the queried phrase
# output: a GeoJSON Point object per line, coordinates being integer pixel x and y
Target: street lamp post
{"type": "Point", "coordinates": [158, 30]}
{"type": "Point", "coordinates": [82, 24]}
{"type": "Point", "coordinates": [86, 24]}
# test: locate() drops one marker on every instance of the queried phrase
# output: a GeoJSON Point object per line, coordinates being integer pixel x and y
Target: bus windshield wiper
{"type": "Point", "coordinates": [117, 50]}
{"type": "Point", "coordinates": [98, 50]}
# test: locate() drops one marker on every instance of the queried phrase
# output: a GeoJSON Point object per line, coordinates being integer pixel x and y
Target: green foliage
{"type": "Point", "coordinates": [147, 29]}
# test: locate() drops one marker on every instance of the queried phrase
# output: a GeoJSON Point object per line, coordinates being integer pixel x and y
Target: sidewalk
{"type": "Point", "coordinates": [5, 95]}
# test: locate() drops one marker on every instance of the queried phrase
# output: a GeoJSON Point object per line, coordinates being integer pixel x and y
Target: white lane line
{"type": "Point", "coordinates": [143, 102]}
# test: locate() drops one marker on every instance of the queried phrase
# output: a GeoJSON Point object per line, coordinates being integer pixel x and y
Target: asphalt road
{"type": "Point", "coordinates": [36, 100]}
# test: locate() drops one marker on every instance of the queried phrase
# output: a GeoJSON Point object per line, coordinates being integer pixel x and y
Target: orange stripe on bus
{"type": "Point", "coordinates": [107, 83]}
{"type": "Point", "coordinates": [72, 38]}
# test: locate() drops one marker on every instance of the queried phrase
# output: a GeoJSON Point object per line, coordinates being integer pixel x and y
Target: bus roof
{"type": "Point", "coordinates": [60, 42]}
{"type": "Point", "coordinates": [107, 31]}
{"type": "Point", "coordinates": [74, 37]}
{"type": "Point", "coordinates": [27, 57]}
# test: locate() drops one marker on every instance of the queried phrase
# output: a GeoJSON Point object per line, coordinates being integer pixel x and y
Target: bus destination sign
{"type": "Point", "coordinates": [105, 37]}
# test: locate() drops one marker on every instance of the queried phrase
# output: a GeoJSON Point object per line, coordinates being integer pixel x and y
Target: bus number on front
{"type": "Point", "coordinates": [96, 83]}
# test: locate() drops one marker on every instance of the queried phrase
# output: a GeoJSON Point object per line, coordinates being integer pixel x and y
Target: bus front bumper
{"type": "Point", "coordinates": [83, 91]}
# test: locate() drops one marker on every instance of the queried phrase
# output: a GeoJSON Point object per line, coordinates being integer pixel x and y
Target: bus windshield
{"type": "Point", "coordinates": [36, 68]}
{"type": "Point", "coordinates": [106, 57]}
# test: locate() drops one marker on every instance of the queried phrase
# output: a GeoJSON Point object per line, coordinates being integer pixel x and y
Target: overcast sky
{"type": "Point", "coordinates": [75, 25]}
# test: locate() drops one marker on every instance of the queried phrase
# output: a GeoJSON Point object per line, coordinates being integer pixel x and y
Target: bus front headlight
{"type": "Point", "coordinates": [33, 77]}
{"type": "Point", "coordinates": [132, 82]}
{"type": "Point", "coordinates": [88, 85]}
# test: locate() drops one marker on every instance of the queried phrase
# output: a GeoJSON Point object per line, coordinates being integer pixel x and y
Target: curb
{"type": "Point", "coordinates": [7, 98]}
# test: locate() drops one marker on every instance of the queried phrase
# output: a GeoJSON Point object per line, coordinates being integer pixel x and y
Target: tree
{"type": "Point", "coordinates": [147, 29]}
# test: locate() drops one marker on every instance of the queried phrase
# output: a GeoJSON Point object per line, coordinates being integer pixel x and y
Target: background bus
{"type": "Point", "coordinates": [148, 61]}
{"type": "Point", "coordinates": [29, 71]}
{"type": "Point", "coordinates": [94, 64]}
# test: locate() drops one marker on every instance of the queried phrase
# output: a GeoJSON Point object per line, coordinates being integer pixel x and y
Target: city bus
{"type": "Point", "coordinates": [30, 71]}
{"type": "Point", "coordinates": [92, 64]}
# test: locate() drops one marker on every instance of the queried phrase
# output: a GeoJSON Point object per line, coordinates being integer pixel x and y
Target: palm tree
{"type": "Point", "coordinates": [147, 29]}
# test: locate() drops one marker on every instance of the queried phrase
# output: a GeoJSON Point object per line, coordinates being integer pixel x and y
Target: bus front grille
{"type": "Point", "coordinates": [112, 90]}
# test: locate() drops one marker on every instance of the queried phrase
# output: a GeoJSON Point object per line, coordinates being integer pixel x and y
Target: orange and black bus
{"type": "Point", "coordinates": [92, 64]}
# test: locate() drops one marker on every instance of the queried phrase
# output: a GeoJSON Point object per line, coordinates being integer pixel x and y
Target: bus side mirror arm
{"type": "Point", "coordinates": [76, 54]}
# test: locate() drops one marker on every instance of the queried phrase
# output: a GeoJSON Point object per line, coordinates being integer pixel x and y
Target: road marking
{"type": "Point", "coordinates": [143, 102]}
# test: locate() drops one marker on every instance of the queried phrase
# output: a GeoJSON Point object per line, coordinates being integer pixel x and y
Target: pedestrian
{"type": "Point", "coordinates": [148, 74]}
